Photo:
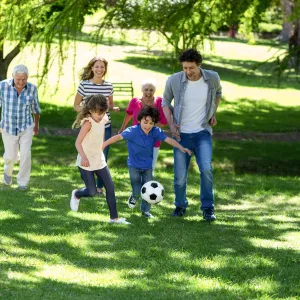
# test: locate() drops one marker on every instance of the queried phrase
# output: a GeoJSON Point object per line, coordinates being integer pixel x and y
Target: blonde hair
{"type": "Point", "coordinates": [87, 72]}
{"type": "Point", "coordinates": [93, 103]}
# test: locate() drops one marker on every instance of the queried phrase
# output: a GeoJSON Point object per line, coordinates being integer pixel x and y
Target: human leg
{"type": "Point", "coordinates": [136, 185]}
{"type": "Point", "coordinates": [203, 154]}
{"type": "Point", "coordinates": [25, 141]}
{"type": "Point", "coordinates": [154, 161]}
{"type": "Point", "coordinates": [107, 135]}
{"type": "Point", "coordinates": [90, 186]}
{"type": "Point", "coordinates": [105, 177]}
{"type": "Point", "coordinates": [145, 206]}
{"type": "Point", "coordinates": [10, 156]}
{"type": "Point", "coordinates": [89, 191]}
{"type": "Point", "coordinates": [181, 166]}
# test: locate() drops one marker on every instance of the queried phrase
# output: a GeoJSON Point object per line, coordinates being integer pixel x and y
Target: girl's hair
{"type": "Point", "coordinates": [149, 111]}
{"type": "Point", "coordinates": [93, 103]}
{"type": "Point", "coordinates": [87, 72]}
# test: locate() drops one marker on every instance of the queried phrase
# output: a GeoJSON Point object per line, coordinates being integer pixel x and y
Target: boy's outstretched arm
{"type": "Point", "coordinates": [177, 145]}
{"type": "Point", "coordinates": [112, 140]}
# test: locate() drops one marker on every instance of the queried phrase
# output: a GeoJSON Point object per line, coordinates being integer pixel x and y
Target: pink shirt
{"type": "Point", "coordinates": [134, 107]}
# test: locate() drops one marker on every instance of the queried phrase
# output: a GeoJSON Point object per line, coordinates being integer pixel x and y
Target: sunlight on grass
{"type": "Point", "coordinates": [6, 215]}
{"type": "Point", "coordinates": [290, 240]}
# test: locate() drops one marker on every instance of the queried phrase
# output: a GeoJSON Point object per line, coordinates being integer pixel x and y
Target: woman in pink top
{"type": "Point", "coordinates": [136, 104]}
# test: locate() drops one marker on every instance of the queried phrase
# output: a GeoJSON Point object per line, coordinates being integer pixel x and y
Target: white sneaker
{"type": "Point", "coordinates": [74, 202]}
{"type": "Point", "coordinates": [119, 221]}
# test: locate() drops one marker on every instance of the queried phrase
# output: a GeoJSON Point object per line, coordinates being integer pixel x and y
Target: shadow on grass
{"type": "Point", "coordinates": [62, 254]}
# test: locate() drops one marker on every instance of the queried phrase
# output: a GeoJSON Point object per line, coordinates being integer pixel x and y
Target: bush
{"type": "Point", "coordinates": [269, 28]}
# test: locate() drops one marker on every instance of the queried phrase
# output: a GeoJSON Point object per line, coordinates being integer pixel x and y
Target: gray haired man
{"type": "Point", "coordinates": [19, 100]}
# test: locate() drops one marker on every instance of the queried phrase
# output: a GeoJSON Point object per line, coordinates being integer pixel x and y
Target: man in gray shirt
{"type": "Point", "coordinates": [196, 93]}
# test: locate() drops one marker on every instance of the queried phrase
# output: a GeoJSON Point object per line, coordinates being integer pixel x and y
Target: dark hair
{"type": "Point", "coordinates": [191, 55]}
{"type": "Point", "coordinates": [149, 111]}
{"type": "Point", "coordinates": [93, 103]}
{"type": "Point", "coordinates": [87, 72]}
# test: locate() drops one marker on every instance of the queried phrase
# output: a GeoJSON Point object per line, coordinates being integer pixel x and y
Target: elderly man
{"type": "Point", "coordinates": [196, 93]}
{"type": "Point", "coordinates": [19, 100]}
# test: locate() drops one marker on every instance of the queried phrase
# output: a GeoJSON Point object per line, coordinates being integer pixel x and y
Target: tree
{"type": "Point", "coordinates": [39, 22]}
{"type": "Point", "coordinates": [287, 25]}
{"type": "Point", "coordinates": [183, 23]}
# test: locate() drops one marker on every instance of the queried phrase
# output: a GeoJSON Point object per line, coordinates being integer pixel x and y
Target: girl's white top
{"type": "Point", "coordinates": [92, 145]}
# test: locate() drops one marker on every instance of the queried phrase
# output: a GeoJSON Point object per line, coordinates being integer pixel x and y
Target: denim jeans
{"type": "Point", "coordinates": [137, 178]}
{"type": "Point", "coordinates": [90, 188]}
{"type": "Point", "coordinates": [107, 135]}
{"type": "Point", "coordinates": [201, 144]}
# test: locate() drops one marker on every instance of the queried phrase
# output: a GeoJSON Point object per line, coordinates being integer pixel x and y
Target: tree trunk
{"type": "Point", "coordinates": [286, 26]}
{"type": "Point", "coordinates": [5, 61]}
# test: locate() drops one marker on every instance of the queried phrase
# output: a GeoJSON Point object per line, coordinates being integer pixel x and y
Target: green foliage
{"type": "Point", "coordinates": [42, 23]}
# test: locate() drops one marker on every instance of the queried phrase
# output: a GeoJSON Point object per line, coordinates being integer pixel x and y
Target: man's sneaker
{"type": "Point", "coordinates": [119, 221]}
{"type": "Point", "coordinates": [179, 212]}
{"type": "Point", "coordinates": [74, 202]}
{"type": "Point", "coordinates": [22, 187]}
{"type": "Point", "coordinates": [7, 179]}
{"type": "Point", "coordinates": [209, 215]}
{"type": "Point", "coordinates": [146, 214]}
{"type": "Point", "coordinates": [131, 201]}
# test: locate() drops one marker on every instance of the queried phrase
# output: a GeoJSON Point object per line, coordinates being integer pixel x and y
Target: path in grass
{"type": "Point", "coordinates": [230, 136]}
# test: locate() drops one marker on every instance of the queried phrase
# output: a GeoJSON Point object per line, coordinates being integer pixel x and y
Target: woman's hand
{"type": "Point", "coordinates": [85, 162]}
{"type": "Point", "coordinates": [116, 109]}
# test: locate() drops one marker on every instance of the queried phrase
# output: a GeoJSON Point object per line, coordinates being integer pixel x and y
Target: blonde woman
{"type": "Point", "coordinates": [93, 83]}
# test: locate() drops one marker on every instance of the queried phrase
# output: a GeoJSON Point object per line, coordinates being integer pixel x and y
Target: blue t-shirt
{"type": "Point", "coordinates": [140, 145]}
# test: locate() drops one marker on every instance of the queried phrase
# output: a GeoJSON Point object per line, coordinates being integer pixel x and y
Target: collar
{"type": "Point", "coordinates": [12, 83]}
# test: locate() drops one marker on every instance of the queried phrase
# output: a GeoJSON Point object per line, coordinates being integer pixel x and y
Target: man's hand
{"type": "Point", "coordinates": [213, 121]}
{"type": "Point", "coordinates": [35, 130]}
{"type": "Point", "coordinates": [175, 131]}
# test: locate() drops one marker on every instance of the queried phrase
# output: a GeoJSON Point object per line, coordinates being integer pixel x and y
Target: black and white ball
{"type": "Point", "coordinates": [152, 192]}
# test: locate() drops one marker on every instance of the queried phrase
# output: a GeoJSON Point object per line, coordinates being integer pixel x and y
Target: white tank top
{"type": "Point", "coordinates": [92, 145]}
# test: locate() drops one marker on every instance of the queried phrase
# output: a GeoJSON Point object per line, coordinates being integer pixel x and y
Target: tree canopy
{"type": "Point", "coordinates": [183, 23]}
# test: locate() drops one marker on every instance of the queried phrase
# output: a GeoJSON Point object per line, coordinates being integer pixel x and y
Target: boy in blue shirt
{"type": "Point", "coordinates": [140, 142]}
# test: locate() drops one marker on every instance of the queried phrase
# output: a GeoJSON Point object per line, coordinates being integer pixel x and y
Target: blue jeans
{"type": "Point", "coordinates": [90, 188]}
{"type": "Point", "coordinates": [107, 135]}
{"type": "Point", "coordinates": [137, 178]}
{"type": "Point", "coordinates": [201, 144]}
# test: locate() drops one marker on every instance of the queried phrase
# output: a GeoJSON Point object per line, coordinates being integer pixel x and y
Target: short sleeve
{"type": "Point", "coordinates": [129, 133]}
{"type": "Point", "coordinates": [162, 118]}
{"type": "Point", "coordinates": [80, 89]}
{"type": "Point", "coordinates": [86, 119]}
{"type": "Point", "coordinates": [158, 134]}
{"type": "Point", "coordinates": [131, 106]}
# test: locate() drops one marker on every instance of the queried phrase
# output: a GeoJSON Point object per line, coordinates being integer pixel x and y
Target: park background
{"type": "Point", "coordinates": [250, 252]}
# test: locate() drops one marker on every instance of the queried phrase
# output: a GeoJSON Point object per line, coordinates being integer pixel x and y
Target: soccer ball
{"type": "Point", "coordinates": [152, 192]}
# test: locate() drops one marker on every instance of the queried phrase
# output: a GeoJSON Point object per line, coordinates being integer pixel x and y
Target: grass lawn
{"type": "Point", "coordinates": [252, 251]}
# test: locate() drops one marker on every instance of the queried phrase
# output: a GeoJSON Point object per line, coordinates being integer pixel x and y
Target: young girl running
{"type": "Point", "coordinates": [90, 159]}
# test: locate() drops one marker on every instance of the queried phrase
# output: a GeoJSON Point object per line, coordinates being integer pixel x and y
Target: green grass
{"type": "Point", "coordinates": [250, 252]}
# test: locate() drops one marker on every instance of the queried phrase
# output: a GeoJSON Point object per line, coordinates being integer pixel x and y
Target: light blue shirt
{"type": "Point", "coordinates": [176, 87]}
{"type": "Point", "coordinates": [16, 112]}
